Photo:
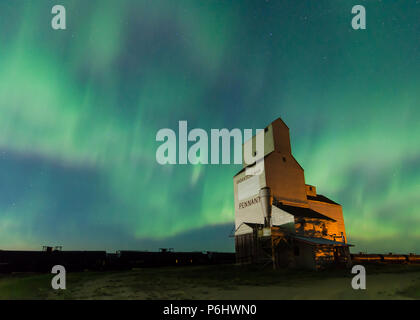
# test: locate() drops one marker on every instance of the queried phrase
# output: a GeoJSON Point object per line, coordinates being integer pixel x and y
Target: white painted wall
{"type": "Point", "coordinates": [280, 217]}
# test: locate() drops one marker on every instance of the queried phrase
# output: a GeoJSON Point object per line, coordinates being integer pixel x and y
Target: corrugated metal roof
{"type": "Point", "coordinates": [321, 198]}
{"type": "Point", "coordinates": [302, 212]}
{"type": "Point", "coordinates": [253, 225]}
{"type": "Point", "coordinates": [321, 241]}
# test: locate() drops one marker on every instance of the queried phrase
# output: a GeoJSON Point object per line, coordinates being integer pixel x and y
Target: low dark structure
{"type": "Point", "coordinates": [385, 258]}
{"type": "Point", "coordinates": [43, 261]}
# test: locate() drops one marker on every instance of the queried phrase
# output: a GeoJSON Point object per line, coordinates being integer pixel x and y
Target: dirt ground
{"type": "Point", "coordinates": [218, 282]}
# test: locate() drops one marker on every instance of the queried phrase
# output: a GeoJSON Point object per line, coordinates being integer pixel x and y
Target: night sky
{"type": "Point", "coordinates": [80, 109]}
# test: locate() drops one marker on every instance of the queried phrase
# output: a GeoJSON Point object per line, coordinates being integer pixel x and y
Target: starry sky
{"type": "Point", "coordinates": [80, 109]}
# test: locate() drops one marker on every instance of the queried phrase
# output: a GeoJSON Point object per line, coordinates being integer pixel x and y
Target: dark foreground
{"type": "Point", "coordinates": [217, 282]}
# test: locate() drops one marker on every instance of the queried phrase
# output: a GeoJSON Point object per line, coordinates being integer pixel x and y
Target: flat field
{"type": "Point", "coordinates": [218, 282]}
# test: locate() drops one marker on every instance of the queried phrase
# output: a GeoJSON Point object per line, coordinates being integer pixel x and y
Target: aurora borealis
{"type": "Point", "coordinates": [80, 108]}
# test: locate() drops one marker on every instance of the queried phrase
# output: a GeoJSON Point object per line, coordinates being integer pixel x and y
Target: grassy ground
{"type": "Point", "coordinates": [218, 282]}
